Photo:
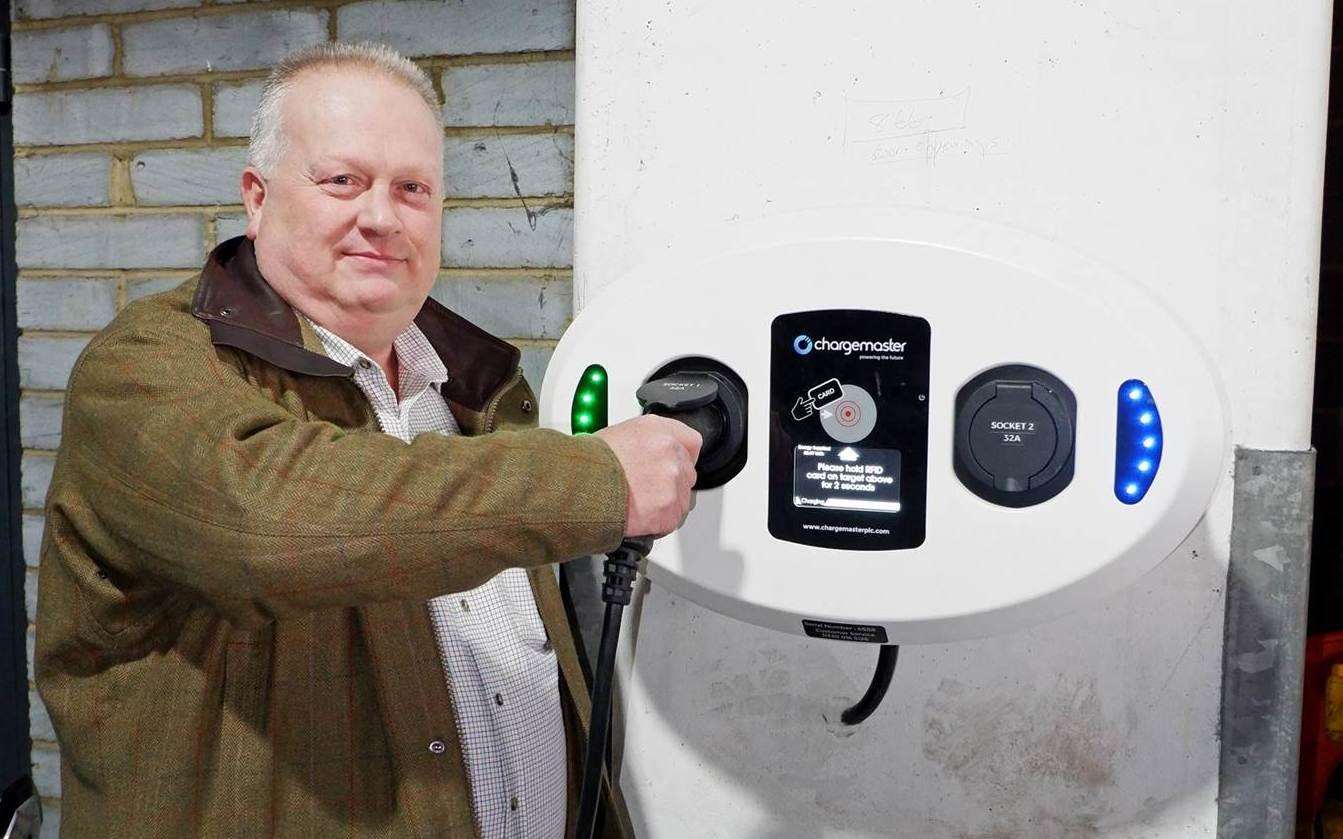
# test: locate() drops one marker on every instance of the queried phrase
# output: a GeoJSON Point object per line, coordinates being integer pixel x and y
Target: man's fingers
{"type": "Point", "coordinates": [658, 455]}
{"type": "Point", "coordinates": [688, 437]}
{"type": "Point", "coordinates": [688, 462]}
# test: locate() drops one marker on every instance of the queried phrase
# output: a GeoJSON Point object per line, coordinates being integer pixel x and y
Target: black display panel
{"type": "Point", "coordinates": [848, 442]}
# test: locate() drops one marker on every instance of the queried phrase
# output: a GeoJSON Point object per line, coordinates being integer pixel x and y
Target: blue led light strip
{"type": "Point", "coordinates": [1138, 442]}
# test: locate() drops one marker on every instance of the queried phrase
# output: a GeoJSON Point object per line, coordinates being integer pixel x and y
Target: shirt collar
{"type": "Point", "coordinates": [418, 364]}
{"type": "Point", "coordinates": [243, 311]}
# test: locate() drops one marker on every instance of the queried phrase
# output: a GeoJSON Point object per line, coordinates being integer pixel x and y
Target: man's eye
{"type": "Point", "coordinates": [419, 189]}
{"type": "Point", "coordinates": [341, 180]}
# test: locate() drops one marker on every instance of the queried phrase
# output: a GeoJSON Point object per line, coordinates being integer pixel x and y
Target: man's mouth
{"type": "Point", "coordinates": [375, 257]}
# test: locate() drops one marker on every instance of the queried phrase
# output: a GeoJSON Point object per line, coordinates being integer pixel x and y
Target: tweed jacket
{"type": "Point", "coordinates": [232, 632]}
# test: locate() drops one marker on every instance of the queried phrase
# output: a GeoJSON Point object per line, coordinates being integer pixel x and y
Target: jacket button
{"type": "Point", "coordinates": [438, 747]}
{"type": "Point", "coordinates": [526, 406]}
{"type": "Point", "coordinates": [226, 311]}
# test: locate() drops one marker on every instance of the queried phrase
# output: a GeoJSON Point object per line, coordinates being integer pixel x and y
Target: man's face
{"type": "Point", "coordinates": [350, 218]}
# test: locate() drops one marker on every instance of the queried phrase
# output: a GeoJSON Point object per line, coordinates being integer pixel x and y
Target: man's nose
{"type": "Point", "coordinates": [377, 213]}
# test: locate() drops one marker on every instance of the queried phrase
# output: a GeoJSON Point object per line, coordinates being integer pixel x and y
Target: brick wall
{"type": "Point", "coordinates": [130, 126]}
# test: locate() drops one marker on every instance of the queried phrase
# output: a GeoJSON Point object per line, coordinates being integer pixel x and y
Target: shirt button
{"type": "Point", "coordinates": [513, 803]}
{"type": "Point", "coordinates": [499, 699]}
{"type": "Point", "coordinates": [466, 607]}
{"type": "Point", "coordinates": [365, 363]}
{"type": "Point", "coordinates": [438, 747]}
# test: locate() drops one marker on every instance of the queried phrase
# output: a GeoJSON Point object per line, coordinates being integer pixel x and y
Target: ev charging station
{"type": "Point", "coordinates": [994, 291]}
{"type": "Point", "coordinates": [920, 467]}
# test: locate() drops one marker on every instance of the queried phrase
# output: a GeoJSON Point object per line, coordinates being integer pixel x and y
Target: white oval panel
{"type": "Point", "coordinates": [992, 296]}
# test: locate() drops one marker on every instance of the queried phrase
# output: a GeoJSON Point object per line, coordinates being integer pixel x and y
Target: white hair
{"type": "Point", "coordinates": [266, 145]}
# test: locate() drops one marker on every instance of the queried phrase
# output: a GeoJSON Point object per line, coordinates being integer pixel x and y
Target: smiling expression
{"type": "Point", "coordinates": [347, 227]}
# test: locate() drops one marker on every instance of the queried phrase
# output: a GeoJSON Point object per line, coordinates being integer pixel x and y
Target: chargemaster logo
{"type": "Point", "coordinates": [802, 344]}
{"type": "Point", "coordinates": [824, 344]}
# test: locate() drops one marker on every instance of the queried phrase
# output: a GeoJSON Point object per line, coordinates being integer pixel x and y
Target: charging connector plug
{"type": "Point", "coordinates": [621, 568]}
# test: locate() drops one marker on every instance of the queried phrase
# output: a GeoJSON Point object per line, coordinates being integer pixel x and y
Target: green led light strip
{"type": "Point", "coordinates": [588, 413]}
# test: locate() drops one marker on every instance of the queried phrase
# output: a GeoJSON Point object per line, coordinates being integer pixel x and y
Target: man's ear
{"type": "Point", "coordinates": [253, 197]}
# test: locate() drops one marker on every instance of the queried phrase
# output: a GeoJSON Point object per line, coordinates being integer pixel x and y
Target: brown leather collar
{"type": "Point", "coordinates": [244, 312]}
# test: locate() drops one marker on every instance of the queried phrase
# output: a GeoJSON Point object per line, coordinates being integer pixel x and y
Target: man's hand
{"type": "Point", "coordinates": [658, 456]}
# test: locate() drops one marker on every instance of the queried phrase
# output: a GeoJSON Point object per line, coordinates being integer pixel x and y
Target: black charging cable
{"type": "Point", "coordinates": [876, 691]}
{"type": "Point", "coordinates": [714, 404]}
{"type": "Point", "coordinates": [692, 398]}
{"type": "Point", "coordinates": [621, 569]}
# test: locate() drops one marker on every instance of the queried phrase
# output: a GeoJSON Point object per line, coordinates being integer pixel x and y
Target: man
{"type": "Point", "coordinates": [295, 575]}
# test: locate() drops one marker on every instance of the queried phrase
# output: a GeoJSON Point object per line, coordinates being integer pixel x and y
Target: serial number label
{"type": "Point", "coordinates": [861, 633]}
